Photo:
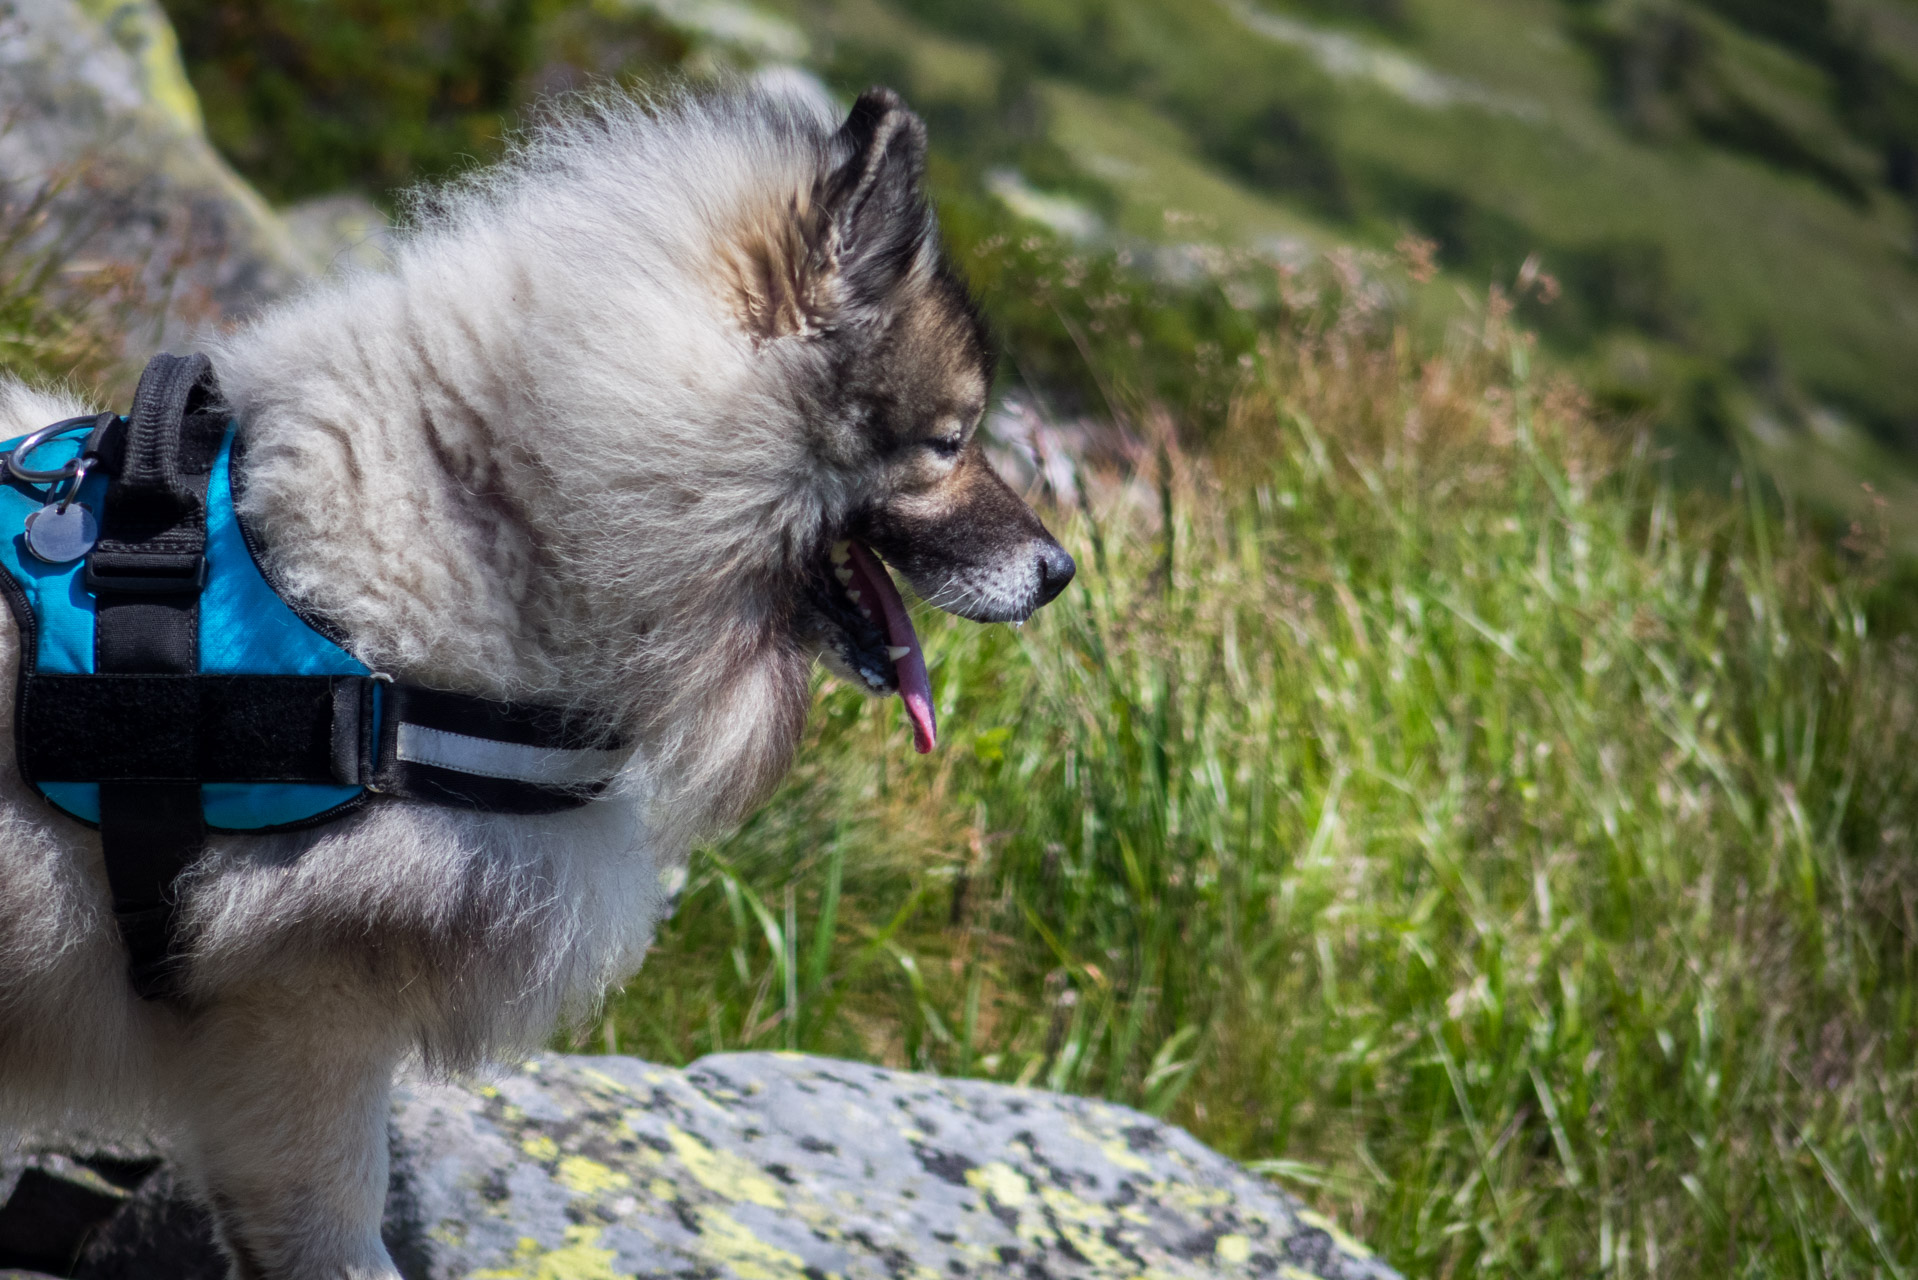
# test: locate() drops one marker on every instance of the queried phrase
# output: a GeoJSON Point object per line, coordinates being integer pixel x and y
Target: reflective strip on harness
{"type": "Point", "coordinates": [513, 761]}
{"type": "Point", "coordinates": [500, 757]}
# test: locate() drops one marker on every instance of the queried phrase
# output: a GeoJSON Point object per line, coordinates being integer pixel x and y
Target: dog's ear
{"type": "Point", "coordinates": [878, 229]}
{"type": "Point", "coordinates": [850, 247]}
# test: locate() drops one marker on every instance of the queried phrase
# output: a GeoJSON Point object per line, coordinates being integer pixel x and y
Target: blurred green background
{"type": "Point", "coordinates": [1472, 777]}
{"type": "Point", "coordinates": [1720, 192]}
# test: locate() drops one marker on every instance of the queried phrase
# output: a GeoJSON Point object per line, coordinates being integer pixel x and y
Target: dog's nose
{"type": "Point", "coordinates": [1055, 570]}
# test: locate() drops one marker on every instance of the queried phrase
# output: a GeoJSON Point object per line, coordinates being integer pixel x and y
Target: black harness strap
{"type": "Point", "coordinates": [451, 749]}
{"type": "Point", "coordinates": [146, 573]}
{"type": "Point", "coordinates": [150, 728]}
{"type": "Point", "coordinates": [187, 730]}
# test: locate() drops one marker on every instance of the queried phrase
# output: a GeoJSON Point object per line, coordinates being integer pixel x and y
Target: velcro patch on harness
{"type": "Point", "coordinates": [194, 728]}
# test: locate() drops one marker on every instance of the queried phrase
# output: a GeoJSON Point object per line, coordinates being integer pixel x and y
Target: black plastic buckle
{"type": "Point", "coordinates": [106, 442]}
{"type": "Point", "coordinates": [139, 574]}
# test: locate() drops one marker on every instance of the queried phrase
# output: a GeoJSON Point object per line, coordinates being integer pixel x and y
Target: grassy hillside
{"type": "Point", "coordinates": [1715, 196]}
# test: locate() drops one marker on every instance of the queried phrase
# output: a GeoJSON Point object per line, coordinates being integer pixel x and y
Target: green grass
{"type": "Point", "coordinates": [1416, 796]}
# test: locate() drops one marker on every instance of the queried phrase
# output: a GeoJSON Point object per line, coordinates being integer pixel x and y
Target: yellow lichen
{"type": "Point", "coordinates": [1003, 1182]}
{"type": "Point", "coordinates": [723, 1239]}
{"type": "Point", "coordinates": [1291, 1272]}
{"type": "Point", "coordinates": [1111, 1144]}
{"type": "Point", "coordinates": [580, 1258]}
{"type": "Point", "coordinates": [1345, 1243]}
{"type": "Point", "coordinates": [1082, 1222]}
{"type": "Point", "coordinates": [1116, 1151]}
{"type": "Point", "coordinates": [540, 1147]}
{"type": "Point", "coordinates": [1187, 1198]}
{"type": "Point", "coordinates": [723, 1173]}
{"type": "Point", "coordinates": [1233, 1249]}
{"type": "Point", "coordinates": [589, 1177]}
{"type": "Point", "coordinates": [604, 1081]}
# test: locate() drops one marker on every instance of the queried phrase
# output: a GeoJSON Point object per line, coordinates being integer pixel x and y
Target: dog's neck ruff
{"type": "Point", "coordinates": [168, 690]}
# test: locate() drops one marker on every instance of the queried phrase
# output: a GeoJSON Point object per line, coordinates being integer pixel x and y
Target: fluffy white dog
{"type": "Point", "coordinates": [621, 431]}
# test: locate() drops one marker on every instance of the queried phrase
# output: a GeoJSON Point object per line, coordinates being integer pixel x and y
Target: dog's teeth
{"type": "Point", "coordinates": [897, 651]}
{"type": "Point", "coordinates": [854, 593]}
{"type": "Point", "coordinates": [864, 612]}
{"type": "Point", "coordinates": [841, 552]}
{"type": "Point", "coordinates": [877, 682]}
{"type": "Point", "coordinates": [842, 573]}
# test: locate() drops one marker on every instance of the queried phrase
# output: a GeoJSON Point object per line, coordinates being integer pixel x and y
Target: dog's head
{"type": "Point", "coordinates": [900, 370]}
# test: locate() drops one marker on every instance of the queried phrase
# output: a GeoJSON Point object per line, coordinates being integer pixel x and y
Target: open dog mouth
{"type": "Point", "coordinates": [872, 635]}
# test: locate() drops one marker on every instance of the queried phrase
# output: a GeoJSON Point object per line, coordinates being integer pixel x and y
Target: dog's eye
{"type": "Point", "coordinates": [946, 446]}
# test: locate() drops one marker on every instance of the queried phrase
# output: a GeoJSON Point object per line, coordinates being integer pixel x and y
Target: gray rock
{"type": "Point", "coordinates": [775, 1167]}
{"type": "Point", "coordinates": [99, 127]}
{"type": "Point", "coordinates": [772, 1166]}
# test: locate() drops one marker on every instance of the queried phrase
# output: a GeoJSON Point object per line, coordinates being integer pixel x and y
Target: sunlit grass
{"type": "Point", "coordinates": [1416, 797]}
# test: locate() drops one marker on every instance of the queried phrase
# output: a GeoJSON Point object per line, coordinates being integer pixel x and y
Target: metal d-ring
{"type": "Point", "coordinates": [80, 466]}
{"type": "Point", "coordinates": [77, 467]}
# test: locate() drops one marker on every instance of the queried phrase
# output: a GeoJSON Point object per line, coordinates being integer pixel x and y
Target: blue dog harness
{"type": "Point", "coordinates": [168, 690]}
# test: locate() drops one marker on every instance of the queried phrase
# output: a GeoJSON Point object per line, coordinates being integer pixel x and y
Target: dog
{"type": "Point", "coordinates": [631, 426]}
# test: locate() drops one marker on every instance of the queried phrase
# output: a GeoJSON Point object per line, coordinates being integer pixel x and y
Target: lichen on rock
{"type": "Point", "coordinates": [780, 1167]}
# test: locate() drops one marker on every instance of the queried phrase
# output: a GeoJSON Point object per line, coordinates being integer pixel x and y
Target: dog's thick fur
{"type": "Point", "coordinates": [590, 441]}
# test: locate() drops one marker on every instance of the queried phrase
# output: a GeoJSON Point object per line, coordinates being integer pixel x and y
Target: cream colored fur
{"type": "Point", "coordinates": [540, 458]}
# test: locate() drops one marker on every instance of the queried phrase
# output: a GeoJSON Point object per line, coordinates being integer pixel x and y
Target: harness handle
{"type": "Point", "coordinates": [146, 574]}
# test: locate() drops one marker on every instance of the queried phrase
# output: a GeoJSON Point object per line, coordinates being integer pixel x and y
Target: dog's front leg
{"type": "Point", "coordinates": [286, 1100]}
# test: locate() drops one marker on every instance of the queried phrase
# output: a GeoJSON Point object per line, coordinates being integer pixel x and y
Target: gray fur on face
{"type": "Point", "coordinates": [588, 443]}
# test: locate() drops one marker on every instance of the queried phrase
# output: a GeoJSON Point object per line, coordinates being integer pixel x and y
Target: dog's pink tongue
{"type": "Point", "coordinates": [915, 686]}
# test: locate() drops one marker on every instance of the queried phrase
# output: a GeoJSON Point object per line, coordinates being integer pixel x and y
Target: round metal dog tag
{"type": "Point", "coordinates": [60, 537]}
